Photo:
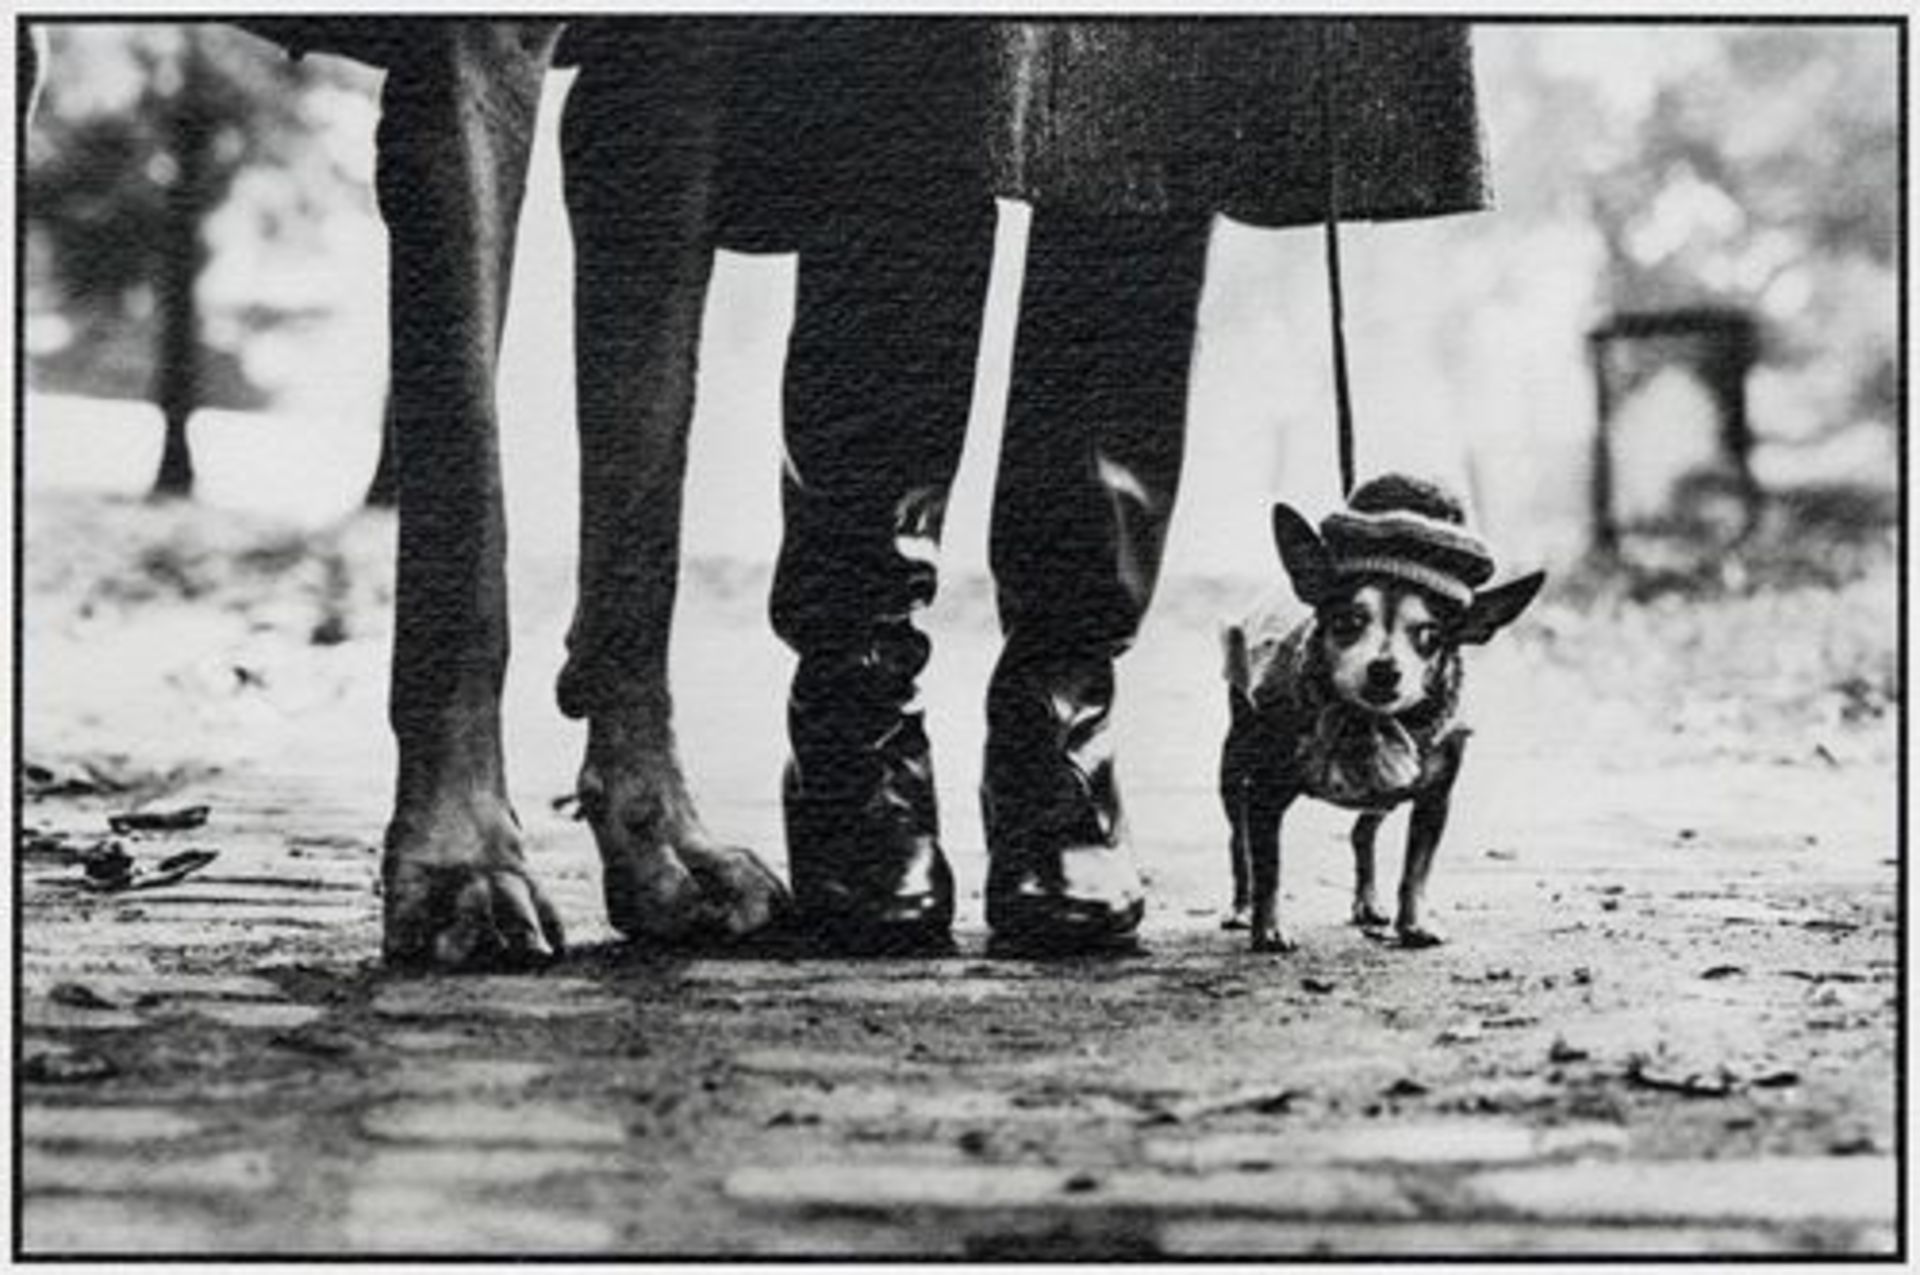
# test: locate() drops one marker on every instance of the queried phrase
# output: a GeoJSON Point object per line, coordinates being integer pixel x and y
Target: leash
{"type": "Point", "coordinates": [1342, 390]}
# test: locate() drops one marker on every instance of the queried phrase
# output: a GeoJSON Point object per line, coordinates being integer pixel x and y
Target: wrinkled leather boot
{"type": "Point", "coordinates": [1089, 468]}
{"type": "Point", "coordinates": [1060, 876]}
{"type": "Point", "coordinates": [862, 820]}
{"type": "Point", "coordinates": [891, 285]}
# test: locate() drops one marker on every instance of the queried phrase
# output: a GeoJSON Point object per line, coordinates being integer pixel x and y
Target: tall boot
{"type": "Point", "coordinates": [1088, 473]}
{"type": "Point", "coordinates": [862, 821]}
{"type": "Point", "coordinates": [894, 260]}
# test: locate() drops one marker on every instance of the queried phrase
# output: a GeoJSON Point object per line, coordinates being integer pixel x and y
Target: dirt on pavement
{"type": "Point", "coordinates": [1666, 1021]}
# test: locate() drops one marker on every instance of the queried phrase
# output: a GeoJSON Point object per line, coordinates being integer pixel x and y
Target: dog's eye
{"type": "Point", "coordinates": [1347, 627]}
{"type": "Point", "coordinates": [1425, 639]}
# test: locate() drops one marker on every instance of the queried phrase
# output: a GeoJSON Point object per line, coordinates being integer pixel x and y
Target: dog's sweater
{"type": "Point", "coordinates": [1342, 754]}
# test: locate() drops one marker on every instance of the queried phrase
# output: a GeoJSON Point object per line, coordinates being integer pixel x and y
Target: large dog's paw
{"type": "Point", "coordinates": [665, 880]}
{"type": "Point", "coordinates": [458, 896]}
{"type": "Point", "coordinates": [687, 894]}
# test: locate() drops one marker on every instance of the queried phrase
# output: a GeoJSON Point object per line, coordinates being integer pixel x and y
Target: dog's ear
{"type": "Point", "coordinates": [1498, 607]}
{"type": "Point", "coordinates": [1302, 553]}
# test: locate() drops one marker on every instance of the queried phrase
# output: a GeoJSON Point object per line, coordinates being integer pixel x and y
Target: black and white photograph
{"type": "Point", "coordinates": [1391, 522]}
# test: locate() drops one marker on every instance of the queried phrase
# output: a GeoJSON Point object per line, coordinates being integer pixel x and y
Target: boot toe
{"type": "Point", "coordinates": [901, 907]}
{"type": "Point", "coordinates": [1075, 899]}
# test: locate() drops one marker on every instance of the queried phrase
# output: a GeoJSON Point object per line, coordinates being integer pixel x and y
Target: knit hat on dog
{"type": "Point", "coordinates": [1411, 530]}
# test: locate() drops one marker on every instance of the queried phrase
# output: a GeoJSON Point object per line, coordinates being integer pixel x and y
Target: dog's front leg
{"type": "Point", "coordinates": [640, 150]}
{"type": "Point", "coordinates": [1266, 807]}
{"type": "Point", "coordinates": [455, 134]}
{"type": "Point", "coordinates": [1366, 903]}
{"type": "Point", "coordinates": [1240, 758]}
{"type": "Point", "coordinates": [1425, 827]}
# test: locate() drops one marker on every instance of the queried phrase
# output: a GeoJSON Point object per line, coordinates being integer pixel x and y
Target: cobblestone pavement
{"type": "Point", "coordinates": [1666, 1022]}
{"type": "Point", "coordinates": [1674, 1051]}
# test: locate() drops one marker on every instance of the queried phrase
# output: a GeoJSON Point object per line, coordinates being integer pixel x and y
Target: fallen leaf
{"type": "Point", "coordinates": [107, 865]}
{"type": "Point", "coordinates": [78, 996]}
{"type": "Point", "coordinates": [1504, 1021]}
{"type": "Point", "coordinates": [1777, 1080]}
{"type": "Point", "coordinates": [1318, 986]}
{"type": "Point", "coordinates": [45, 781]}
{"type": "Point", "coordinates": [1561, 1052]}
{"type": "Point", "coordinates": [40, 843]}
{"type": "Point", "coordinates": [175, 868]}
{"type": "Point", "coordinates": [67, 1068]}
{"type": "Point", "coordinates": [117, 877]}
{"type": "Point", "coordinates": [1405, 1087]}
{"type": "Point", "coordinates": [1459, 1034]}
{"type": "Point", "coordinates": [1692, 1084]}
{"type": "Point", "coordinates": [179, 820]}
{"type": "Point", "coordinates": [331, 631]}
{"type": "Point", "coordinates": [1265, 1102]}
{"type": "Point", "coordinates": [1723, 971]}
{"type": "Point", "coordinates": [316, 1043]}
{"type": "Point", "coordinates": [188, 860]}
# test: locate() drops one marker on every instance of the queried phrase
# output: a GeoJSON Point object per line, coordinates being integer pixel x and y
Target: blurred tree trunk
{"type": "Point", "coordinates": [384, 491]}
{"type": "Point", "coordinates": [188, 129]}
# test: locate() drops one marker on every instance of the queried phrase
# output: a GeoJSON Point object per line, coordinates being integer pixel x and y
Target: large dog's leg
{"type": "Point", "coordinates": [456, 129]}
{"type": "Point", "coordinates": [640, 148]}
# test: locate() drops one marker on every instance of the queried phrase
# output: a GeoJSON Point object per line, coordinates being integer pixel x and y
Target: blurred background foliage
{"type": "Point", "coordinates": [138, 129]}
{"type": "Point", "coordinates": [189, 174]}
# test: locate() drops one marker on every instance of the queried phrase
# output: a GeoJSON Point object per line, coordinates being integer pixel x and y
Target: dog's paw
{"type": "Point", "coordinates": [456, 893]}
{"type": "Point", "coordinates": [467, 916]}
{"type": "Point", "coordinates": [738, 894]}
{"type": "Point", "coordinates": [1368, 916]}
{"type": "Point", "coordinates": [1239, 918]}
{"type": "Point", "coordinates": [689, 895]}
{"type": "Point", "coordinates": [1416, 936]}
{"type": "Point", "coordinates": [665, 879]}
{"type": "Point", "coordinates": [1272, 939]}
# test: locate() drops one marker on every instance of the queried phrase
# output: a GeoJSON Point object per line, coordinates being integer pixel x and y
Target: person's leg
{"type": "Point", "coordinates": [1088, 471]}
{"type": "Point", "coordinates": [640, 147]}
{"type": "Point", "coordinates": [879, 387]}
{"type": "Point", "coordinates": [456, 129]}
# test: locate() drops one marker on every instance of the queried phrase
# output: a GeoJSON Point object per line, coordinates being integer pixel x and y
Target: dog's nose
{"type": "Point", "coordinates": [1383, 675]}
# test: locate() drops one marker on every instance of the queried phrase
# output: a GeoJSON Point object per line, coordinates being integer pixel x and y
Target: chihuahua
{"type": "Point", "coordinates": [1358, 703]}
